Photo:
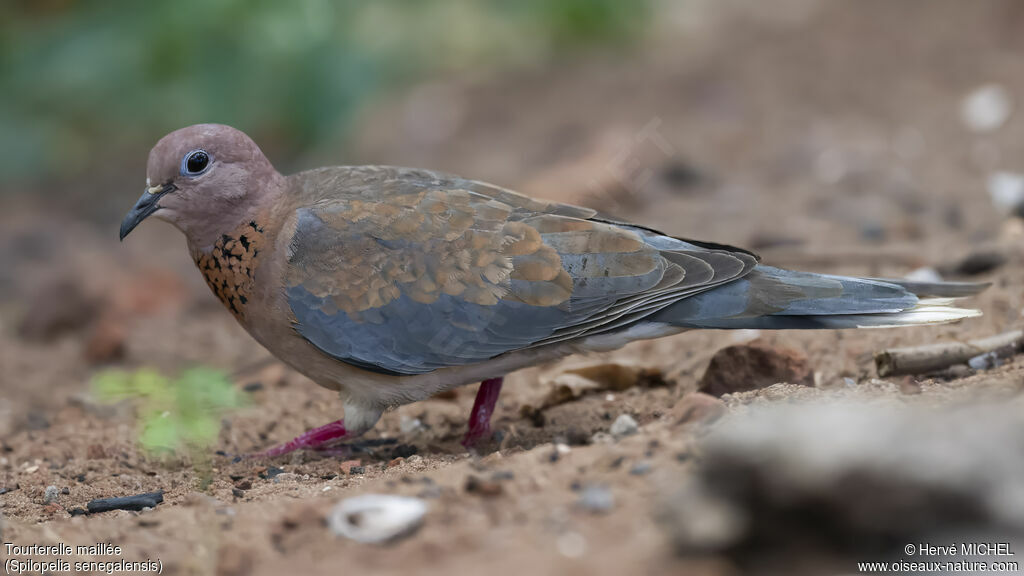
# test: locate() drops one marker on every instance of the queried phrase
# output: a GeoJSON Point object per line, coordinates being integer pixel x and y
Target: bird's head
{"type": "Point", "coordinates": [201, 178]}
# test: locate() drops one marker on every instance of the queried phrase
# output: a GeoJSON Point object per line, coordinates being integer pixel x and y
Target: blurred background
{"type": "Point", "coordinates": [869, 137]}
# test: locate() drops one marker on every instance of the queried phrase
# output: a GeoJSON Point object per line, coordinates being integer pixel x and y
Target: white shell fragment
{"type": "Point", "coordinates": [377, 518]}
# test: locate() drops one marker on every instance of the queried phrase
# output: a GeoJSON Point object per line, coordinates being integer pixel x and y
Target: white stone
{"type": "Point", "coordinates": [986, 108]}
{"type": "Point", "coordinates": [924, 274]}
{"type": "Point", "coordinates": [623, 426]}
{"type": "Point", "coordinates": [1006, 190]}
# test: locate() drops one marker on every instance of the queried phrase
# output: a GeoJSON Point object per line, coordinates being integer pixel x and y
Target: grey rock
{"type": "Point", "coordinates": [641, 469]}
{"type": "Point", "coordinates": [596, 498]}
{"type": "Point", "coordinates": [51, 495]}
{"type": "Point", "coordinates": [623, 426]}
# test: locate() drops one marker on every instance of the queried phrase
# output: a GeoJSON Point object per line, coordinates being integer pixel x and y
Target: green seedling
{"type": "Point", "coordinates": [175, 416]}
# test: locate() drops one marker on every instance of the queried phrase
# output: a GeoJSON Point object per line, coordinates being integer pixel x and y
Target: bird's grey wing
{"type": "Point", "coordinates": [428, 272]}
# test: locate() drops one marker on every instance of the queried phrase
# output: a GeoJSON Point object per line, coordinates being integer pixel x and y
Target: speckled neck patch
{"type": "Point", "coordinates": [230, 266]}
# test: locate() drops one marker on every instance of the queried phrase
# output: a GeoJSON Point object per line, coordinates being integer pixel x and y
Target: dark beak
{"type": "Point", "coordinates": [146, 205]}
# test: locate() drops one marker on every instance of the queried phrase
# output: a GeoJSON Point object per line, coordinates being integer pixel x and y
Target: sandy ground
{"type": "Point", "coordinates": [825, 135]}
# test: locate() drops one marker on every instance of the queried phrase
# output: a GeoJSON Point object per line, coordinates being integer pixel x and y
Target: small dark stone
{"type": "Point", "coordinates": [245, 484]}
{"type": "Point", "coordinates": [65, 491]}
{"type": "Point", "coordinates": [80, 478]}
{"type": "Point", "coordinates": [221, 453]}
{"type": "Point", "coordinates": [236, 459]}
{"type": "Point", "coordinates": [576, 437]}
{"type": "Point", "coordinates": [976, 263]}
{"type": "Point", "coordinates": [253, 387]}
{"type": "Point", "coordinates": [357, 470]}
{"type": "Point", "coordinates": [236, 477]}
{"type": "Point", "coordinates": [330, 476]}
{"type": "Point", "coordinates": [37, 421]}
{"type": "Point", "coordinates": [237, 493]}
{"type": "Point", "coordinates": [403, 451]}
{"type": "Point", "coordinates": [872, 232]}
{"type": "Point", "coordinates": [136, 503]}
{"type": "Point", "coordinates": [77, 512]}
{"type": "Point", "coordinates": [272, 472]}
{"type": "Point", "coordinates": [680, 175]}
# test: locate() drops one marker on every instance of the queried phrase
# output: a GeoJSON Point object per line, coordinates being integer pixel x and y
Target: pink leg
{"type": "Point", "coordinates": [314, 439]}
{"type": "Point", "coordinates": [483, 409]}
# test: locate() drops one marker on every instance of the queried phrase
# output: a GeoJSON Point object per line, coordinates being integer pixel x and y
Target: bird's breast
{"type": "Point", "coordinates": [229, 266]}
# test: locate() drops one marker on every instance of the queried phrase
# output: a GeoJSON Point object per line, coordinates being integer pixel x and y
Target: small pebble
{"type": "Point", "coordinates": [357, 470]}
{"type": "Point", "coordinates": [641, 469]}
{"type": "Point", "coordinates": [244, 484]}
{"type": "Point", "coordinates": [576, 437]}
{"type": "Point", "coordinates": [271, 472]}
{"type": "Point", "coordinates": [410, 425]}
{"type": "Point", "coordinates": [377, 518]}
{"type": "Point", "coordinates": [51, 495]}
{"type": "Point", "coordinates": [623, 426]}
{"type": "Point", "coordinates": [286, 477]}
{"type": "Point", "coordinates": [1006, 189]}
{"type": "Point", "coordinates": [237, 493]}
{"type": "Point", "coordinates": [346, 466]}
{"type": "Point", "coordinates": [596, 498]}
{"type": "Point", "coordinates": [925, 274]}
{"type": "Point", "coordinates": [986, 108]}
{"type": "Point", "coordinates": [986, 361]}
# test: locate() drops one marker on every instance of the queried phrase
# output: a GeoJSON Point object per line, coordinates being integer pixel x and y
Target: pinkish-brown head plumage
{"type": "Point", "coordinates": [204, 179]}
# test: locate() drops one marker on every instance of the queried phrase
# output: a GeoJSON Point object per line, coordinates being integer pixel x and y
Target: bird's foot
{"type": "Point", "coordinates": [321, 439]}
{"type": "Point", "coordinates": [483, 409]}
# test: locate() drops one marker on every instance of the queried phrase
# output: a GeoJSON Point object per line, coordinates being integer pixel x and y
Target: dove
{"type": "Point", "coordinates": [391, 284]}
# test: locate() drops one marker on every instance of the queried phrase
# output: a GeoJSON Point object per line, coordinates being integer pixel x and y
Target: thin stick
{"type": "Point", "coordinates": [933, 357]}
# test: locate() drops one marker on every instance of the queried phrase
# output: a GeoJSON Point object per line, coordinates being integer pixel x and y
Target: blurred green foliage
{"type": "Point", "coordinates": [75, 74]}
{"type": "Point", "coordinates": [176, 416]}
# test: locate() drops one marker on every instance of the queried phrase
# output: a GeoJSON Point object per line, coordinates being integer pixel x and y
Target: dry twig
{"type": "Point", "coordinates": [933, 357]}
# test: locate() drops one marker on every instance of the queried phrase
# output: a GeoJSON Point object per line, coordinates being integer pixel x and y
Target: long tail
{"type": "Point", "coordinates": [772, 298]}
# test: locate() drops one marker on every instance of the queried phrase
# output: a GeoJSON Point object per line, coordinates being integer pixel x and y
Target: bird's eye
{"type": "Point", "coordinates": [195, 163]}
